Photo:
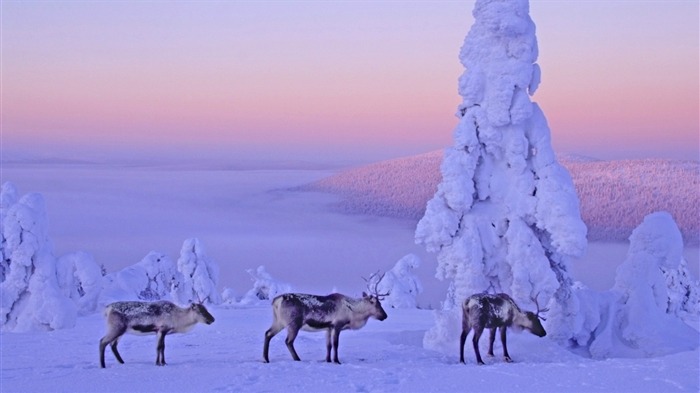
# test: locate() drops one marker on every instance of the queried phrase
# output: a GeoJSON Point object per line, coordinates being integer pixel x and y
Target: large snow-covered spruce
{"type": "Point", "coordinates": [30, 296]}
{"type": "Point", "coordinates": [505, 217]}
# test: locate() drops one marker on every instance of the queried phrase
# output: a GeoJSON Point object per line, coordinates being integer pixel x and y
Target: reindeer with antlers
{"type": "Point", "coordinates": [484, 310]}
{"type": "Point", "coordinates": [332, 313]}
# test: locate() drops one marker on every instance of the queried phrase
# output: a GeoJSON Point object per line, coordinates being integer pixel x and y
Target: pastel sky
{"type": "Point", "coordinates": [348, 80]}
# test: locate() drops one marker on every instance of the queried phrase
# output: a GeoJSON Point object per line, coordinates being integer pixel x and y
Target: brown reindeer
{"type": "Point", "coordinates": [332, 313]}
{"type": "Point", "coordinates": [486, 311]}
{"type": "Point", "coordinates": [161, 318]}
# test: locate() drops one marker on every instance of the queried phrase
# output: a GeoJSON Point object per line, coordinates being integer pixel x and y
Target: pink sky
{"type": "Point", "coordinates": [330, 80]}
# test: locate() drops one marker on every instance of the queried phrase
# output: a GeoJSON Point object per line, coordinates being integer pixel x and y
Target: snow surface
{"type": "Point", "coordinates": [383, 356]}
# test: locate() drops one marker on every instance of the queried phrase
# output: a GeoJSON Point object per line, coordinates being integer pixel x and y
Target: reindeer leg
{"type": "Point", "coordinates": [116, 328]}
{"type": "Point", "coordinates": [271, 332]}
{"type": "Point", "coordinates": [462, 340]}
{"type": "Point", "coordinates": [116, 353]}
{"type": "Point", "coordinates": [492, 338]}
{"type": "Point", "coordinates": [336, 339]}
{"type": "Point", "coordinates": [103, 344]}
{"type": "Point", "coordinates": [292, 331]}
{"type": "Point", "coordinates": [506, 357]}
{"type": "Point", "coordinates": [111, 338]}
{"type": "Point", "coordinates": [328, 345]}
{"type": "Point", "coordinates": [160, 349]}
{"type": "Point", "coordinates": [475, 340]}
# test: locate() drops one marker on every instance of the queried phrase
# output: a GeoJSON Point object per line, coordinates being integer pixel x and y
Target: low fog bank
{"type": "Point", "coordinates": [244, 219]}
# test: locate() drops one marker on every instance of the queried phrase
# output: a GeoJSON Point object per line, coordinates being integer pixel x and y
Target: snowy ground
{"type": "Point", "coordinates": [382, 357]}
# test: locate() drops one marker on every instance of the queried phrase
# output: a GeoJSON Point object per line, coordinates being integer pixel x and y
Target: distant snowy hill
{"type": "Point", "coordinates": [615, 195]}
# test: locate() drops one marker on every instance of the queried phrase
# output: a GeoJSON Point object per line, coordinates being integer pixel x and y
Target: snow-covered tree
{"type": "Point", "coordinates": [400, 283]}
{"type": "Point", "coordinates": [265, 288]}
{"type": "Point", "coordinates": [30, 297]}
{"type": "Point", "coordinates": [228, 296]}
{"type": "Point", "coordinates": [683, 291]}
{"type": "Point", "coordinates": [8, 197]}
{"type": "Point", "coordinates": [200, 274]}
{"type": "Point", "coordinates": [638, 320]}
{"type": "Point", "coordinates": [505, 217]}
{"type": "Point", "coordinates": [80, 279]}
{"type": "Point", "coordinates": [153, 278]}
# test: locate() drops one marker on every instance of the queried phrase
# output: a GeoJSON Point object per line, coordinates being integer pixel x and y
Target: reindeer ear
{"type": "Point", "coordinates": [364, 294]}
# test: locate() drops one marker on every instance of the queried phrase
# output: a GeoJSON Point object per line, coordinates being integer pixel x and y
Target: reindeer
{"type": "Point", "coordinates": [161, 318]}
{"type": "Point", "coordinates": [332, 313]}
{"type": "Point", "coordinates": [483, 310]}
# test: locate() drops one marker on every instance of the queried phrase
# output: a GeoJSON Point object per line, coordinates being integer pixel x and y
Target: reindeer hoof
{"type": "Point", "coordinates": [480, 363]}
{"type": "Point", "coordinates": [508, 359]}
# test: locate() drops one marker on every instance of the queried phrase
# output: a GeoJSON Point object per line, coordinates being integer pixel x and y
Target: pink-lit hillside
{"type": "Point", "coordinates": [615, 195]}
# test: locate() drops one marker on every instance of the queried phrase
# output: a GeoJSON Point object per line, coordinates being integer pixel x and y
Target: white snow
{"type": "Point", "coordinates": [200, 275]}
{"type": "Point", "coordinates": [400, 283]}
{"type": "Point", "coordinates": [383, 356]}
{"type": "Point", "coordinates": [265, 287]}
{"type": "Point", "coordinates": [30, 296]}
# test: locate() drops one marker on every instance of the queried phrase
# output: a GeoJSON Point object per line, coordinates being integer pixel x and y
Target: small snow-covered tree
{"type": "Point", "coordinates": [228, 296]}
{"type": "Point", "coordinates": [505, 217]}
{"type": "Point", "coordinates": [80, 279]}
{"type": "Point", "coordinates": [683, 291]}
{"type": "Point", "coordinates": [400, 283]}
{"type": "Point", "coordinates": [200, 274]}
{"type": "Point", "coordinates": [8, 197]}
{"type": "Point", "coordinates": [153, 278]}
{"type": "Point", "coordinates": [30, 297]}
{"type": "Point", "coordinates": [638, 320]}
{"type": "Point", "coordinates": [265, 288]}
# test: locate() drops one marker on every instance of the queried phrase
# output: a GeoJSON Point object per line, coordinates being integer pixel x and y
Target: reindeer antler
{"type": "Point", "coordinates": [373, 285]}
{"type": "Point", "coordinates": [537, 304]}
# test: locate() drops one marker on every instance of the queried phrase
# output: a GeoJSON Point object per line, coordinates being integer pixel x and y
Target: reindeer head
{"type": "Point", "coordinates": [202, 313]}
{"type": "Point", "coordinates": [534, 318]}
{"type": "Point", "coordinates": [373, 297]}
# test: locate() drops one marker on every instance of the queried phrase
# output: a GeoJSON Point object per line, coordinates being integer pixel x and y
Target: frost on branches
{"type": "Point", "coordinates": [80, 279]}
{"type": "Point", "coordinates": [401, 284]}
{"type": "Point", "coordinates": [153, 278]}
{"type": "Point", "coordinates": [505, 217]}
{"type": "Point", "coordinates": [265, 288]}
{"type": "Point", "coordinates": [641, 311]}
{"type": "Point", "coordinates": [199, 275]}
{"type": "Point", "coordinates": [30, 296]}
